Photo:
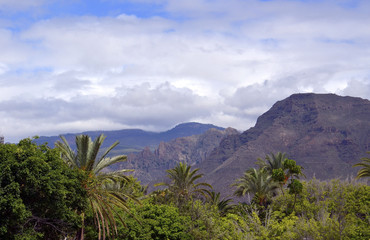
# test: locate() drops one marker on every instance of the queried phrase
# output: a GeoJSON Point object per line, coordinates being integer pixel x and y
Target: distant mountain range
{"type": "Point", "coordinates": [135, 140]}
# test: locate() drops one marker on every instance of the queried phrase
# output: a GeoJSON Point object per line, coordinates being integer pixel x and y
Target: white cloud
{"type": "Point", "coordinates": [224, 62]}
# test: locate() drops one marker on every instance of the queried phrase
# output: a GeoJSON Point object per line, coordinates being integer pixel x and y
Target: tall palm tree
{"type": "Point", "coordinates": [365, 164]}
{"type": "Point", "coordinates": [102, 197]}
{"type": "Point", "coordinates": [258, 182]}
{"type": "Point", "coordinates": [184, 183]}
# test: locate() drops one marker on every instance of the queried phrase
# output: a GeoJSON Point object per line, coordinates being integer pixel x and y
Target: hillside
{"type": "Point", "coordinates": [324, 133]}
{"type": "Point", "coordinates": [150, 166]}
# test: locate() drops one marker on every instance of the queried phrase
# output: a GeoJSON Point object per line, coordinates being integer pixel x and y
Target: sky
{"type": "Point", "coordinates": [77, 65]}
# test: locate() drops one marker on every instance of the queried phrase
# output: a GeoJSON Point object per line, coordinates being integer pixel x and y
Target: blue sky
{"type": "Point", "coordinates": [74, 65]}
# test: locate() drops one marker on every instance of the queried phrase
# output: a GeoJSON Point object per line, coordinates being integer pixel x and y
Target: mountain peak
{"type": "Point", "coordinates": [188, 129]}
{"type": "Point", "coordinates": [324, 133]}
{"type": "Point", "coordinates": [195, 125]}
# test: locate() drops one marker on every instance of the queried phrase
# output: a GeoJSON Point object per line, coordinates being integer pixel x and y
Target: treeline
{"type": "Point", "coordinates": [65, 194]}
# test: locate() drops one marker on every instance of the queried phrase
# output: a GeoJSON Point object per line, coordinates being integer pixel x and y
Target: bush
{"type": "Point", "coordinates": [154, 222]}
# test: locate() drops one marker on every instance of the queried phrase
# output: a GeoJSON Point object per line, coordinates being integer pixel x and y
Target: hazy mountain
{"type": "Point", "coordinates": [324, 133]}
{"type": "Point", "coordinates": [134, 140]}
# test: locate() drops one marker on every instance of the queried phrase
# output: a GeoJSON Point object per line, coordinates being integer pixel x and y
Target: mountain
{"type": "Point", "coordinates": [324, 133]}
{"type": "Point", "coordinates": [150, 166]}
{"type": "Point", "coordinates": [134, 140]}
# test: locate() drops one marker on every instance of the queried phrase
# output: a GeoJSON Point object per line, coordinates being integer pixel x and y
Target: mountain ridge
{"type": "Point", "coordinates": [324, 133]}
{"type": "Point", "coordinates": [134, 140]}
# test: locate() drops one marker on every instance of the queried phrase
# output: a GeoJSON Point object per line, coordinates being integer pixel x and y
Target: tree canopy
{"type": "Point", "coordinates": [40, 196]}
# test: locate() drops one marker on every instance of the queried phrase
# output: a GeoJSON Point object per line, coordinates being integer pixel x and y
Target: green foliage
{"type": "Point", "coordinates": [43, 198]}
{"type": "Point", "coordinates": [207, 223]}
{"type": "Point", "coordinates": [295, 187]}
{"type": "Point", "coordinates": [224, 206]}
{"type": "Point", "coordinates": [289, 164]}
{"type": "Point", "coordinates": [39, 195]}
{"type": "Point", "coordinates": [329, 210]}
{"type": "Point", "coordinates": [258, 182]}
{"type": "Point", "coordinates": [266, 224]}
{"type": "Point", "coordinates": [129, 186]}
{"type": "Point", "coordinates": [313, 210]}
{"type": "Point", "coordinates": [278, 175]}
{"type": "Point", "coordinates": [105, 189]}
{"type": "Point", "coordinates": [293, 169]}
{"type": "Point", "coordinates": [281, 169]}
{"type": "Point", "coordinates": [156, 222]}
{"type": "Point", "coordinates": [184, 184]}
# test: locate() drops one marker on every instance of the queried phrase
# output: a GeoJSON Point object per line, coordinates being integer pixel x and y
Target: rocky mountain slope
{"type": "Point", "coordinates": [324, 133]}
{"type": "Point", "coordinates": [150, 166]}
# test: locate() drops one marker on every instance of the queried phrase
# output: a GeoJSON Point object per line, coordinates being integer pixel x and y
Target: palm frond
{"type": "Point", "coordinates": [67, 154]}
{"type": "Point", "coordinates": [106, 162]}
{"type": "Point", "coordinates": [365, 164]}
{"type": "Point", "coordinates": [83, 143]}
{"type": "Point", "coordinates": [108, 150]}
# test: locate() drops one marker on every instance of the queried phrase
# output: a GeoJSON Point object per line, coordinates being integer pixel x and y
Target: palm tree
{"type": "Point", "coordinates": [273, 161]}
{"type": "Point", "coordinates": [274, 165]}
{"type": "Point", "coordinates": [365, 164]}
{"type": "Point", "coordinates": [280, 168]}
{"type": "Point", "coordinates": [224, 206]}
{"type": "Point", "coordinates": [258, 182]}
{"type": "Point", "coordinates": [183, 183]}
{"type": "Point", "coordinates": [102, 197]}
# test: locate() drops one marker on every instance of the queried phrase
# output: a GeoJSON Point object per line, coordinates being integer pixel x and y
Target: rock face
{"type": "Point", "coordinates": [150, 166]}
{"type": "Point", "coordinates": [324, 133]}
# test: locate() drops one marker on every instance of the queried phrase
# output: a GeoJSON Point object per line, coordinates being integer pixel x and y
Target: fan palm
{"type": "Point", "coordinates": [102, 199]}
{"type": "Point", "coordinates": [258, 182]}
{"type": "Point", "coordinates": [183, 183]}
{"type": "Point", "coordinates": [365, 164]}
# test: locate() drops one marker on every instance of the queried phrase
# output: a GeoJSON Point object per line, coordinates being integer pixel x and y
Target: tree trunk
{"type": "Point", "coordinates": [80, 232]}
{"type": "Point", "coordinates": [295, 199]}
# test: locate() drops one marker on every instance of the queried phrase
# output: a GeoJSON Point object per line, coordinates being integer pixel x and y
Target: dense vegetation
{"type": "Point", "coordinates": [40, 196]}
{"type": "Point", "coordinates": [65, 194]}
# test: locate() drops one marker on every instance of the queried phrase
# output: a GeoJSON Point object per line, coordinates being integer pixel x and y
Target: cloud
{"type": "Point", "coordinates": [357, 88]}
{"type": "Point", "coordinates": [139, 106]}
{"type": "Point", "coordinates": [223, 62]}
